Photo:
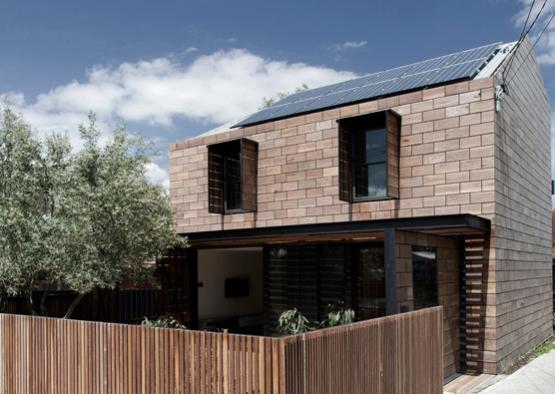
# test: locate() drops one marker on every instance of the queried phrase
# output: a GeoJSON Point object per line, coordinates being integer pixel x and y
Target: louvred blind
{"type": "Point", "coordinates": [345, 189]}
{"type": "Point", "coordinates": [215, 181]}
{"type": "Point", "coordinates": [393, 124]}
{"type": "Point", "coordinates": [249, 174]}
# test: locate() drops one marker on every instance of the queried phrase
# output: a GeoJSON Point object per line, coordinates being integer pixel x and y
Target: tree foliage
{"type": "Point", "coordinates": [268, 102]}
{"type": "Point", "coordinates": [77, 220]}
{"type": "Point", "coordinates": [163, 322]}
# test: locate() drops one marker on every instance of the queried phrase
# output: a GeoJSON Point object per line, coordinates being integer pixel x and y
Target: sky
{"type": "Point", "coordinates": [173, 69]}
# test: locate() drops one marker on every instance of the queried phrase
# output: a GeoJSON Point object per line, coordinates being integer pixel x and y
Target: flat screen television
{"type": "Point", "coordinates": [237, 287]}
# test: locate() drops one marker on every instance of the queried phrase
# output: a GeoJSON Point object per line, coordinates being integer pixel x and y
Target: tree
{"type": "Point", "coordinates": [29, 172]}
{"type": "Point", "coordinates": [118, 219]}
{"type": "Point", "coordinates": [268, 102]}
{"type": "Point", "coordinates": [77, 220]}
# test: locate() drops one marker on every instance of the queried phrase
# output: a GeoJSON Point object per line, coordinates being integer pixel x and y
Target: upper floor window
{"type": "Point", "coordinates": [369, 162]}
{"type": "Point", "coordinates": [232, 173]}
{"type": "Point", "coordinates": [369, 157]}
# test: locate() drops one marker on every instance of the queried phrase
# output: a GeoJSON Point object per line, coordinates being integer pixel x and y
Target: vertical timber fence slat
{"type": "Point", "coordinates": [398, 354]}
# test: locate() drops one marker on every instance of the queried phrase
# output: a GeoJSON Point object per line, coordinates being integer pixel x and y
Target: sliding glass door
{"type": "Point", "coordinates": [371, 279]}
{"type": "Point", "coordinates": [313, 278]}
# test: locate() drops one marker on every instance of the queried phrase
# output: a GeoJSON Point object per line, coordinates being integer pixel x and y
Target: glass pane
{"type": "Point", "coordinates": [370, 180]}
{"type": "Point", "coordinates": [372, 282]}
{"type": "Point", "coordinates": [375, 145]}
{"type": "Point", "coordinates": [424, 277]}
{"type": "Point", "coordinates": [369, 146]}
{"type": "Point", "coordinates": [335, 279]}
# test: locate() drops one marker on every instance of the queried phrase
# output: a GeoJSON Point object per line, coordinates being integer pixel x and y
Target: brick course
{"type": "Point", "coordinates": [522, 224]}
{"type": "Point", "coordinates": [446, 150]}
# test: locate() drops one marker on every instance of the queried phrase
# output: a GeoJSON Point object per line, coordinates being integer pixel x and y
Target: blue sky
{"type": "Point", "coordinates": [173, 69]}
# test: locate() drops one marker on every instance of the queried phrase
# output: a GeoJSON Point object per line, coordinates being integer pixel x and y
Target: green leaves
{"type": "Point", "coordinates": [163, 322]}
{"type": "Point", "coordinates": [268, 102]}
{"type": "Point", "coordinates": [24, 226]}
{"type": "Point", "coordinates": [292, 322]}
{"type": "Point", "coordinates": [79, 220]}
{"type": "Point", "coordinates": [339, 317]}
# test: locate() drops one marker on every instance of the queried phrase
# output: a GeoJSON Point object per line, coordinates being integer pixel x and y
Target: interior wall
{"type": "Point", "coordinates": [214, 266]}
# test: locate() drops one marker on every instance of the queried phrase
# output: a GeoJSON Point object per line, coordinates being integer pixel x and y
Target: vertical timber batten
{"type": "Point", "coordinates": [130, 359]}
{"type": "Point", "coordinates": [390, 272]}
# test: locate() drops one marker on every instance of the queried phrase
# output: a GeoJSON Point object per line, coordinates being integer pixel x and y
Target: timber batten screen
{"type": "Point", "coordinates": [400, 353]}
{"type": "Point", "coordinates": [232, 176]}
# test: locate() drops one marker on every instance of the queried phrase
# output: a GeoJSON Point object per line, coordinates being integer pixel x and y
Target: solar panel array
{"type": "Point", "coordinates": [457, 66]}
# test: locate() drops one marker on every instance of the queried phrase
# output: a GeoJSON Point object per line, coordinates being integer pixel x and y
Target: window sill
{"type": "Point", "coordinates": [236, 211]}
{"type": "Point", "coordinates": [370, 199]}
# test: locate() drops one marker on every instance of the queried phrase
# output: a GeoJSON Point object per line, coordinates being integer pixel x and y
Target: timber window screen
{"type": "Point", "coordinates": [369, 157]}
{"type": "Point", "coordinates": [232, 176]}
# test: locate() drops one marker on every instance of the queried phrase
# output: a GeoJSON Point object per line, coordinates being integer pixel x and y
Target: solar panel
{"type": "Point", "coordinates": [456, 66]}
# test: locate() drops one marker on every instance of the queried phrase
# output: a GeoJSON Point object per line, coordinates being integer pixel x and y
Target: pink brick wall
{"type": "Point", "coordinates": [446, 163]}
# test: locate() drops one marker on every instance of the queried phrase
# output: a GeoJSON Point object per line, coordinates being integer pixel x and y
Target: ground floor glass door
{"type": "Point", "coordinates": [371, 279]}
{"type": "Point", "coordinates": [312, 278]}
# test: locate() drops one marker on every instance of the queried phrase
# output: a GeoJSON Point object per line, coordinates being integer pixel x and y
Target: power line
{"type": "Point", "coordinates": [522, 36]}
{"type": "Point", "coordinates": [532, 48]}
{"type": "Point", "coordinates": [519, 41]}
{"type": "Point", "coordinates": [526, 22]}
{"type": "Point", "coordinates": [535, 19]}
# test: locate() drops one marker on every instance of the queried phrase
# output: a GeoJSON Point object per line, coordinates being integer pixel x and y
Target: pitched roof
{"type": "Point", "coordinates": [459, 66]}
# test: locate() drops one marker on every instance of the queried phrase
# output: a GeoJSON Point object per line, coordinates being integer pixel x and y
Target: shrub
{"type": "Point", "coordinates": [163, 322]}
{"type": "Point", "coordinates": [292, 322]}
{"type": "Point", "coordinates": [339, 317]}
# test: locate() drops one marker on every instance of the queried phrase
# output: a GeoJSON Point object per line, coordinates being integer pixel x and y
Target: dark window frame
{"type": "Point", "coordinates": [387, 121]}
{"type": "Point", "coordinates": [243, 153]}
{"type": "Point", "coordinates": [355, 164]}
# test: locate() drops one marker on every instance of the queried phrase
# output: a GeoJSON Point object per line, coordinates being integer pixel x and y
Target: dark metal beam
{"type": "Point", "coordinates": [419, 223]}
{"type": "Point", "coordinates": [390, 262]}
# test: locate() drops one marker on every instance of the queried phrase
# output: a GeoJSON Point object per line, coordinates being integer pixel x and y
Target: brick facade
{"type": "Point", "coordinates": [522, 224]}
{"type": "Point", "coordinates": [457, 155]}
{"type": "Point", "coordinates": [446, 164]}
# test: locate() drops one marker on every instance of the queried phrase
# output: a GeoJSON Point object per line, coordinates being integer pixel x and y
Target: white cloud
{"type": "Point", "coordinates": [191, 49]}
{"type": "Point", "coordinates": [157, 175]}
{"type": "Point", "coordinates": [545, 49]}
{"type": "Point", "coordinates": [215, 88]}
{"type": "Point", "coordinates": [350, 45]}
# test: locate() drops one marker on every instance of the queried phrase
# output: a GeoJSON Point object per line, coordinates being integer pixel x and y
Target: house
{"type": "Point", "coordinates": [427, 184]}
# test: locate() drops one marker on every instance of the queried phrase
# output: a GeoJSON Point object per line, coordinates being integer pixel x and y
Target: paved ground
{"type": "Point", "coordinates": [538, 376]}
